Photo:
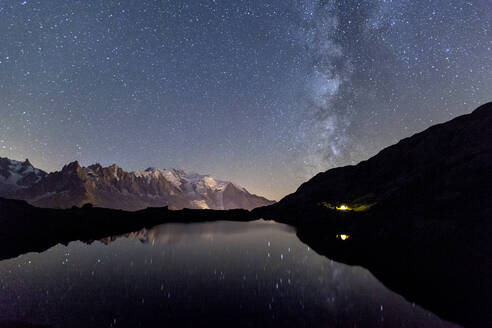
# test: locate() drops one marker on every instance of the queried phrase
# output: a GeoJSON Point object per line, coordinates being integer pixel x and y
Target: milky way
{"type": "Point", "coordinates": [262, 93]}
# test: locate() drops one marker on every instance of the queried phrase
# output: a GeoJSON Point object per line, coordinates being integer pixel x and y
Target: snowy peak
{"type": "Point", "coordinates": [17, 175]}
{"type": "Point", "coordinates": [182, 179]}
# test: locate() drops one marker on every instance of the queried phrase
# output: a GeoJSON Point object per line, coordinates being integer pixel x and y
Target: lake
{"type": "Point", "coordinates": [216, 273]}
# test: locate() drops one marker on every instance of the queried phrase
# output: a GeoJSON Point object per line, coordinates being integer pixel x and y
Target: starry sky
{"type": "Point", "coordinates": [263, 93]}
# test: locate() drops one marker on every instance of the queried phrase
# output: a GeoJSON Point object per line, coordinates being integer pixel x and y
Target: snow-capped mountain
{"type": "Point", "coordinates": [112, 187]}
{"type": "Point", "coordinates": [15, 175]}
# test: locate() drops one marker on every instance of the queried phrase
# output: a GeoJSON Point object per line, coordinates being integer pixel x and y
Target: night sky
{"type": "Point", "coordinates": [263, 93]}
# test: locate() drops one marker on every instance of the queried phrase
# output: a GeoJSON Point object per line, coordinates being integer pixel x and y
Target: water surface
{"type": "Point", "coordinates": [201, 273]}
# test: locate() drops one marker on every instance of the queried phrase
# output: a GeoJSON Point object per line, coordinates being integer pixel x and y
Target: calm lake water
{"type": "Point", "coordinates": [237, 273]}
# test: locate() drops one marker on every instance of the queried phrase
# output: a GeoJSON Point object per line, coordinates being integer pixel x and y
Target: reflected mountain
{"type": "Point", "coordinates": [26, 228]}
{"type": "Point", "coordinates": [447, 272]}
{"type": "Point", "coordinates": [213, 273]}
{"type": "Point", "coordinates": [173, 233]}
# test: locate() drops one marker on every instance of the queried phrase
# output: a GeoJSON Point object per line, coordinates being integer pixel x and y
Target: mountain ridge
{"type": "Point", "coordinates": [429, 171]}
{"type": "Point", "coordinates": [112, 187]}
{"type": "Point", "coordinates": [15, 175]}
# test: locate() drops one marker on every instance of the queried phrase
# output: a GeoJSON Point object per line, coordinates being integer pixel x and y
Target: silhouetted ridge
{"type": "Point", "coordinates": [446, 166]}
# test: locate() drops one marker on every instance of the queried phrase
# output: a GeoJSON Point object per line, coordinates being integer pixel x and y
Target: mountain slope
{"type": "Point", "coordinates": [434, 171]}
{"type": "Point", "coordinates": [112, 187]}
{"type": "Point", "coordinates": [15, 175]}
{"type": "Point", "coordinates": [417, 215]}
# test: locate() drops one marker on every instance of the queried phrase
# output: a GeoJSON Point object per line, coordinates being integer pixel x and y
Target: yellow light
{"type": "Point", "coordinates": [343, 208]}
{"type": "Point", "coordinates": [343, 237]}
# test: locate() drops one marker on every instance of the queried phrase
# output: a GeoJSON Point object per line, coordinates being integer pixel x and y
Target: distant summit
{"type": "Point", "coordinates": [15, 175]}
{"type": "Point", "coordinates": [112, 187]}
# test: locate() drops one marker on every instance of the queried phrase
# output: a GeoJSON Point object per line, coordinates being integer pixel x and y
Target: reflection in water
{"type": "Point", "coordinates": [174, 232]}
{"type": "Point", "coordinates": [211, 273]}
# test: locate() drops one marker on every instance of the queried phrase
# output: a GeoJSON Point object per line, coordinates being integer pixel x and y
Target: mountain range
{"type": "Point", "coordinates": [112, 187]}
{"type": "Point", "coordinates": [417, 214]}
